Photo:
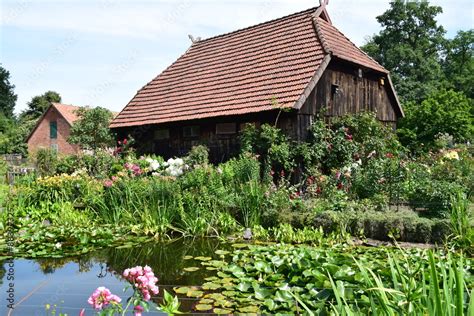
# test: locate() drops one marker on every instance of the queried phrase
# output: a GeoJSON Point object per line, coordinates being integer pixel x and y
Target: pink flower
{"type": "Point", "coordinates": [83, 312]}
{"type": "Point", "coordinates": [142, 279]}
{"type": "Point", "coordinates": [102, 297]}
{"type": "Point", "coordinates": [108, 183]}
{"type": "Point", "coordinates": [114, 178]}
{"type": "Point", "coordinates": [138, 310]}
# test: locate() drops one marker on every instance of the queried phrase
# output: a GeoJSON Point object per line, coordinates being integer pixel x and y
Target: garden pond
{"type": "Point", "coordinates": [64, 284]}
{"type": "Point", "coordinates": [213, 276]}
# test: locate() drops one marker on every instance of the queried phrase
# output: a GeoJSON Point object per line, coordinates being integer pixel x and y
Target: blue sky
{"type": "Point", "coordinates": [101, 52]}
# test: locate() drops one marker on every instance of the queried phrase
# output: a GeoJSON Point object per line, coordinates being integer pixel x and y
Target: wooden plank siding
{"type": "Point", "coordinates": [354, 95]}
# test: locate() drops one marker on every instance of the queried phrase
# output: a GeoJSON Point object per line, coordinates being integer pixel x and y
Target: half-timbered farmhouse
{"type": "Point", "coordinates": [301, 63]}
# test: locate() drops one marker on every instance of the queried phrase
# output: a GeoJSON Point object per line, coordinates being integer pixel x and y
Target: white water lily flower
{"type": "Point", "coordinates": [58, 245]}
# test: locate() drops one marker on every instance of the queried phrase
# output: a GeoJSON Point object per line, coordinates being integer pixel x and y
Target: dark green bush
{"type": "Point", "coordinates": [198, 155]}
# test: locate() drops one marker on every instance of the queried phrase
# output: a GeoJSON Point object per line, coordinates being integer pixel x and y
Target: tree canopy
{"type": "Point", "coordinates": [39, 104]}
{"type": "Point", "coordinates": [458, 64]}
{"type": "Point", "coordinates": [7, 95]}
{"type": "Point", "coordinates": [444, 112]}
{"type": "Point", "coordinates": [91, 130]}
{"type": "Point", "coordinates": [410, 46]}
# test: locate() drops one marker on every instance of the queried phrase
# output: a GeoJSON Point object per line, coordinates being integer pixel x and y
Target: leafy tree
{"type": "Point", "coordinates": [443, 112]}
{"type": "Point", "coordinates": [12, 136]}
{"type": "Point", "coordinates": [459, 62]}
{"type": "Point", "coordinates": [7, 95]}
{"type": "Point", "coordinates": [91, 130]}
{"type": "Point", "coordinates": [39, 104]}
{"type": "Point", "coordinates": [410, 46]}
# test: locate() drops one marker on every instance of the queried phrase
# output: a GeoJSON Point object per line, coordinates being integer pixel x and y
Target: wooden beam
{"type": "Point", "coordinates": [313, 82]}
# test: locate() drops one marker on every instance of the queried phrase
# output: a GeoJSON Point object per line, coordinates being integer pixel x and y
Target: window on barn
{"type": "Point", "coordinates": [226, 128]}
{"type": "Point", "coordinates": [191, 131]}
{"type": "Point", "coordinates": [161, 134]}
{"type": "Point", "coordinates": [53, 130]}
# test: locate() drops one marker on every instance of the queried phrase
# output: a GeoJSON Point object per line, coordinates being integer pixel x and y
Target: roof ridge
{"type": "Point", "coordinates": [256, 25]}
{"type": "Point", "coordinates": [60, 103]}
{"type": "Point", "coordinates": [320, 35]}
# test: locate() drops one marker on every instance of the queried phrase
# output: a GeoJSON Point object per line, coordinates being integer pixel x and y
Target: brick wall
{"type": "Point", "coordinates": [41, 136]}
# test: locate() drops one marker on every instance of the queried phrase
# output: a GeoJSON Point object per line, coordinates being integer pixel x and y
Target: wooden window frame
{"type": "Point", "coordinates": [195, 131]}
{"type": "Point", "coordinates": [225, 130]}
{"type": "Point", "coordinates": [53, 130]}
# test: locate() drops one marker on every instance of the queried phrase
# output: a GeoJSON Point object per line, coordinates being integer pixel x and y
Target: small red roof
{"type": "Point", "coordinates": [245, 71]}
{"type": "Point", "coordinates": [67, 111]}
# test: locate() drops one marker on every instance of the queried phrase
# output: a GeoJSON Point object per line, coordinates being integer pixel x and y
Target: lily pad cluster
{"type": "Point", "coordinates": [293, 279]}
{"type": "Point", "coordinates": [48, 241]}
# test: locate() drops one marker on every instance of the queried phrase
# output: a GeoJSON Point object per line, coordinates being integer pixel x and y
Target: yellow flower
{"type": "Point", "coordinates": [452, 155]}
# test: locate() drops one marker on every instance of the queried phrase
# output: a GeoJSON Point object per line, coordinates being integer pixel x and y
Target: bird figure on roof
{"type": "Point", "coordinates": [194, 40]}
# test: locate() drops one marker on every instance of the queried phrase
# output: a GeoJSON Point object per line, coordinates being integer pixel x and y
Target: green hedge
{"type": "Point", "coordinates": [403, 226]}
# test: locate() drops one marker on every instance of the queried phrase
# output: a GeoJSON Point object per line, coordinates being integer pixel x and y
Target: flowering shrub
{"type": "Point", "coordinates": [175, 167]}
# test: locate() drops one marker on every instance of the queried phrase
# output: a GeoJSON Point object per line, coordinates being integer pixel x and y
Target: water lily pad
{"type": "Point", "coordinates": [240, 245]}
{"type": "Point", "coordinates": [203, 307]}
{"type": "Point", "coordinates": [216, 263]}
{"type": "Point", "coordinates": [194, 293]}
{"type": "Point", "coordinates": [210, 286]}
{"type": "Point", "coordinates": [191, 269]}
{"type": "Point", "coordinates": [230, 293]}
{"type": "Point", "coordinates": [181, 290]}
{"type": "Point", "coordinates": [215, 296]}
{"type": "Point", "coordinates": [211, 268]}
{"type": "Point", "coordinates": [187, 257]}
{"type": "Point", "coordinates": [200, 258]}
{"type": "Point", "coordinates": [206, 301]}
{"type": "Point", "coordinates": [221, 311]}
{"type": "Point", "coordinates": [211, 278]}
{"type": "Point", "coordinates": [249, 309]}
{"type": "Point", "coordinates": [222, 252]}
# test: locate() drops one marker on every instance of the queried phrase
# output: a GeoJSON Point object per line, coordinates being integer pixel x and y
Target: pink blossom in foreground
{"type": "Point", "coordinates": [138, 310]}
{"type": "Point", "coordinates": [142, 279]}
{"type": "Point", "coordinates": [102, 297]}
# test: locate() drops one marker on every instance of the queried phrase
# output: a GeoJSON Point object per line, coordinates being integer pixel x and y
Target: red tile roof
{"type": "Point", "coordinates": [242, 72]}
{"type": "Point", "coordinates": [341, 47]}
{"type": "Point", "coordinates": [67, 111]}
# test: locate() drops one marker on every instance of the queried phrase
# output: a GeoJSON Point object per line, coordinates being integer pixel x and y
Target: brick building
{"type": "Point", "coordinates": [53, 129]}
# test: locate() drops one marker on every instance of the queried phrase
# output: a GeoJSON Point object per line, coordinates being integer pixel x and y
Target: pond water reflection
{"type": "Point", "coordinates": [68, 282]}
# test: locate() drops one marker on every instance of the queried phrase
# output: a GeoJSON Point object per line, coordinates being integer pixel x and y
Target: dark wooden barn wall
{"type": "Point", "coordinates": [221, 147]}
{"type": "Point", "coordinates": [353, 95]}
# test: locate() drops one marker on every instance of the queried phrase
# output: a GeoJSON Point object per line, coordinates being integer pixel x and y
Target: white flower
{"type": "Point", "coordinates": [58, 245]}
{"type": "Point", "coordinates": [155, 174]}
{"type": "Point", "coordinates": [149, 160]}
{"type": "Point", "coordinates": [154, 165]}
